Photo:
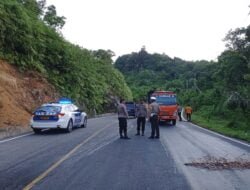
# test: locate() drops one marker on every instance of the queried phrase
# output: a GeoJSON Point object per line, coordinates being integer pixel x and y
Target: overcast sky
{"type": "Point", "coordinates": [188, 29]}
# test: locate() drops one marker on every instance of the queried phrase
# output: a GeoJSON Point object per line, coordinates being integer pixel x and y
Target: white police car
{"type": "Point", "coordinates": [61, 115]}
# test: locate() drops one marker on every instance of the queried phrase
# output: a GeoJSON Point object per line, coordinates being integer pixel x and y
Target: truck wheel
{"type": "Point", "coordinates": [174, 121]}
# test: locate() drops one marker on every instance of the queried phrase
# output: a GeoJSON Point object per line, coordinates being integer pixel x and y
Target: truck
{"type": "Point", "coordinates": [168, 105]}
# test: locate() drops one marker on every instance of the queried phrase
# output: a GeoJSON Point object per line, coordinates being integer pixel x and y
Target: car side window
{"type": "Point", "coordinates": [75, 107]}
{"type": "Point", "coordinates": [68, 108]}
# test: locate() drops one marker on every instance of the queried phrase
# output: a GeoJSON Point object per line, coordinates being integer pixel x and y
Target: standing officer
{"type": "Point", "coordinates": [179, 109]}
{"type": "Point", "coordinates": [154, 110]}
{"type": "Point", "coordinates": [141, 113]}
{"type": "Point", "coordinates": [188, 111]}
{"type": "Point", "coordinates": [122, 117]}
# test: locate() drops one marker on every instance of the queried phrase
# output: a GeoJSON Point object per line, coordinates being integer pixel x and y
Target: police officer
{"type": "Point", "coordinates": [141, 113]}
{"type": "Point", "coordinates": [154, 110]}
{"type": "Point", "coordinates": [179, 109]}
{"type": "Point", "coordinates": [122, 117]}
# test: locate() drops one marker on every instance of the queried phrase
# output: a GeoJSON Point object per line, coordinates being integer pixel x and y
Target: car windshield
{"type": "Point", "coordinates": [166, 100]}
{"type": "Point", "coordinates": [48, 110]}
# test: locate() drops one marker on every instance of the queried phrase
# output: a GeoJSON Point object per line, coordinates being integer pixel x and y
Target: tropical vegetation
{"type": "Point", "coordinates": [30, 38]}
{"type": "Point", "coordinates": [218, 91]}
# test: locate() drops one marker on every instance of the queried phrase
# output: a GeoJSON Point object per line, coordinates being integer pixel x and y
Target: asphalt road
{"type": "Point", "coordinates": [94, 158]}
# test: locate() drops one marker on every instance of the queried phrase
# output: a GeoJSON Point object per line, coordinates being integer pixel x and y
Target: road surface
{"type": "Point", "coordinates": [94, 158]}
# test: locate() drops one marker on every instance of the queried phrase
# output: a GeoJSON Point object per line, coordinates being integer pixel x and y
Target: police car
{"type": "Point", "coordinates": [59, 115]}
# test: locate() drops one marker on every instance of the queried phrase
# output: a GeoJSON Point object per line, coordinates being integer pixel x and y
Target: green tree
{"type": "Point", "coordinates": [51, 18]}
{"type": "Point", "coordinates": [232, 69]}
{"type": "Point", "coordinates": [32, 44]}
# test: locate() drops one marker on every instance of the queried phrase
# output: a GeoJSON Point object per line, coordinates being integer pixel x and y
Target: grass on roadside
{"type": "Point", "coordinates": [235, 129]}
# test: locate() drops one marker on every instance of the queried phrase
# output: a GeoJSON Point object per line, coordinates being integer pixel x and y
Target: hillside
{"type": "Point", "coordinates": [38, 65]}
{"type": "Point", "coordinates": [219, 92]}
{"type": "Point", "coordinates": [20, 94]}
{"type": "Point", "coordinates": [31, 40]}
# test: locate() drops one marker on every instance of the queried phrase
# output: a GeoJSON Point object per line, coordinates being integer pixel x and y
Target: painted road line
{"type": "Point", "coordinates": [58, 163]}
{"type": "Point", "coordinates": [17, 137]}
{"type": "Point", "coordinates": [182, 115]}
{"type": "Point", "coordinates": [14, 138]}
{"type": "Point", "coordinates": [220, 135]}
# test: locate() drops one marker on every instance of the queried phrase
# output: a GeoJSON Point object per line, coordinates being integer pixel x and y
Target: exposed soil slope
{"type": "Point", "coordinates": [20, 94]}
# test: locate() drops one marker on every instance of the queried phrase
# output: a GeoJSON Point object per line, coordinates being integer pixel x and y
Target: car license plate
{"type": "Point", "coordinates": [44, 118]}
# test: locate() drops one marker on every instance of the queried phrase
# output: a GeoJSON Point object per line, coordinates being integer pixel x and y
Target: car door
{"type": "Point", "coordinates": [77, 115]}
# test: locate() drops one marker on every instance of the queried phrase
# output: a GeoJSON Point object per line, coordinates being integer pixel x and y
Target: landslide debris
{"type": "Point", "coordinates": [213, 163]}
{"type": "Point", "coordinates": [20, 94]}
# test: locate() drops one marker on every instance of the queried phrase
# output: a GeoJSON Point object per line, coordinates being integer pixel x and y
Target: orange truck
{"type": "Point", "coordinates": [168, 105]}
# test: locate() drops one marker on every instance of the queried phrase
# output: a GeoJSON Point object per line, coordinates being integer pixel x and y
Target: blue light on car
{"type": "Point", "coordinates": [65, 101]}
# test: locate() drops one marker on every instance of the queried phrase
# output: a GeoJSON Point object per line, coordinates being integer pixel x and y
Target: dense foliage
{"type": "Point", "coordinates": [214, 89]}
{"type": "Point", "coordinates": [30, 38]}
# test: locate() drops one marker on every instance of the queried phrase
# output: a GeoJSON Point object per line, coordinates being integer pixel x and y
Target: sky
{"type": "Point", "coordinates": [188, 29]}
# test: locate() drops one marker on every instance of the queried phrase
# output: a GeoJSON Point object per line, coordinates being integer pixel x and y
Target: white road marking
{"type": "Point", "coordinates": [220, 135]}
{"type": "Point", "coordinates": [17, 137]}
{"type": "Point", "coordinates": [182, 115]}
{"type": "Point", "coordinates": [14, 138]}
{"type": "Point", "coordinates": [59, 162]}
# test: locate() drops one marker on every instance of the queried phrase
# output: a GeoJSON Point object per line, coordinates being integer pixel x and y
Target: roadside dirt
{"type": "Point", "coordinates": [20, 94]}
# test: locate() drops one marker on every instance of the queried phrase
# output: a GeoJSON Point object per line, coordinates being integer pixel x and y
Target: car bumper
{"type": "Point", "coordinates": [49, 125]}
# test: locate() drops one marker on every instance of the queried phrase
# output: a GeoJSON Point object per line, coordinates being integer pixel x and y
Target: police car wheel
{"type": "Point", "coordinates": [37, 131]}
{"type": "Point", "coordinates": [70, 126]}
{"type": "Point", "coordinates": [84, 123]}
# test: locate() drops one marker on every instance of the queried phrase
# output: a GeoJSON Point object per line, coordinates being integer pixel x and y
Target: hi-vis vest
{"type": "Point", "coordinates": [188, 109]}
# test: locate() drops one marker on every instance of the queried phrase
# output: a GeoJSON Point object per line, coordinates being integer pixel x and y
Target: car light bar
{"type": "Point", "coordinates": [65, 101]}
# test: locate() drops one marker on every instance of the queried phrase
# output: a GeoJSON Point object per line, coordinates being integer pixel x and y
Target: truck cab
{"type": "Point", "coordinates": [168, 105]}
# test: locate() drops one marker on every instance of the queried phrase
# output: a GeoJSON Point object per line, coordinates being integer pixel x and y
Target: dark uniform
{"type": "Point", "coordinates": [122, 117]}
{"type": "Point", "coordinates": [154, 112]}
{"type": "Point", "coordinates": [141, 113]}
{"type": "Point", "coordinates": [179, 109]}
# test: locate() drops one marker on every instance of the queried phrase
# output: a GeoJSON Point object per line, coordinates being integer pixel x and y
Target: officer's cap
{"type": "Point", "coordinates": [153, 98]}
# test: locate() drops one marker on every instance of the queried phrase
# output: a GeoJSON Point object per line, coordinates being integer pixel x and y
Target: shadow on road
{"type": "Point", "coordinates": [54, 131]}
{"type": "Point", "coordinates": [165, 124]}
